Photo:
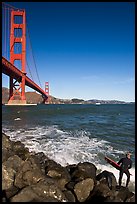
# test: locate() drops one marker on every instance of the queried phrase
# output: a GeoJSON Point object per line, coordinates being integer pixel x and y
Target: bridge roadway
{"type": "Point", "coordinates": [10, 70]}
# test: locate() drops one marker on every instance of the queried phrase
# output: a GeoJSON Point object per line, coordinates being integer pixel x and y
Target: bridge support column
{"type": "Point", "coordinates": [47, 101]}
{"type": "Point", "coordinates": [18, 37]}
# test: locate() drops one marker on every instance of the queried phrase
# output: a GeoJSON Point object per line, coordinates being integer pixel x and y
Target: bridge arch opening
{"type": "Point", "coordinates": [18, 19]}
{"type": "Point", "coordinates": [17, 32]}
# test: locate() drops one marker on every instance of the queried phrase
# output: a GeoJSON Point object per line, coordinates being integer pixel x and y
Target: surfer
{"type": "Point", "coordinates": [125, 164]}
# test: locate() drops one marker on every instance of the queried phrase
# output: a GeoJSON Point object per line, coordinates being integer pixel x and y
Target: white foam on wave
{"type": "Point", "coordinates": [17, 119]}
{"type": "Point", "coordinates": [70, 147]}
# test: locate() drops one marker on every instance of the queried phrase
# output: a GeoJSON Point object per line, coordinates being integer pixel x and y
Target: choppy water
{"type": "Point", "coordinates": [75, 133]}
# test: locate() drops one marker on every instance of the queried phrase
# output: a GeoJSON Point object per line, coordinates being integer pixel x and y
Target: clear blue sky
{"type": "Point", "coordinates": [85, 50]}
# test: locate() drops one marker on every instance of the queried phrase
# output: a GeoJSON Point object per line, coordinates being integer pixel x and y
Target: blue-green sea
{"type": "Point", "coordinates": [75, 133]}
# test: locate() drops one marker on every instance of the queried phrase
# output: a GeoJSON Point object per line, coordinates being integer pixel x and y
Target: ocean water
{"type": "Point", "coordinates": [70, 134]}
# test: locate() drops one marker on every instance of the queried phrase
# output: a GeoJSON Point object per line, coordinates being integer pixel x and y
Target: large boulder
{"type": "Point", "coordinates": [124, 194]}
{"type": "Point", "coordinates": [29, 173]}
{"type": "Point", "coordinates": [6, 142]}
{"type": "Point", "coordinates": [14, 162]}
{"type": "Point", "coordinates": [100, 193]}
{"type": "Point", "coordinates": [7, 147]}
{"type": "Point", "coordinates": [58, 173]}
{"type": "Point", "coordinates": [84, 170]}
{"type": "Point", "coordinates": [8, 175]}
{"type": "Point", "coordinates": [103, 178]}
{"type": "Point", "coordinates": [9, 170]}
{"type": "Point", "coordinates": [10, 148]}
{"type": "Point", "coordinates": [40, 158]}
{"type": "Point", "coordinates": [43, 191]}
{"type": "Point", "coordinates": [20, 150]}
{"type": "Point", "coordinates": [83, 188]}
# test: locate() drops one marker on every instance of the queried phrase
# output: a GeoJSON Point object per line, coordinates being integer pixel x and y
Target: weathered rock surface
{"type": "Point", "coordinates": [33, 177]}
{"type": "Point", "coordinates": [83, 188]}
{"type": "Point", "coordinates": [41, 191]}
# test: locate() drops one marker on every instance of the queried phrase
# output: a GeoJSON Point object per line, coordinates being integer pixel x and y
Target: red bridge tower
{"type": "Point", "coordinates": [17, 95]}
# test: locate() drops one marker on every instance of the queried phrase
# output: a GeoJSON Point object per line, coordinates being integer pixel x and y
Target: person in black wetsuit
{"type": "Point", "coordinates": [125, 164]}
{"type": "Point", "coordinates": [107, 175]}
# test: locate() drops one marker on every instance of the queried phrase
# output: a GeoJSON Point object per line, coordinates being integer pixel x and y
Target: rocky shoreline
{"type": "Point", "coordinates": [33, 177]}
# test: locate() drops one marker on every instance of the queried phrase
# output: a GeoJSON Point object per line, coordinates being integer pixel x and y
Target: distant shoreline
{"type": "Point", "coordinates": [35, 98]}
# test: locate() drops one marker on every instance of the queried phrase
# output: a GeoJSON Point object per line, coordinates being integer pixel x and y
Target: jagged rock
{"type": "Point", "coordinates": [59, 173]}
{"type": "Point", "coordinates": [10, 168]}
{"type": "Point", "coordinates": [10, 148]}
{"type": "Point", "coordinates": [84, 170]}
{"type": "Point", "coordinates": [8, 174]}
{"type": "Point", "coordinates": [6, 147]}
{"type": "Point", "coordinates": [25, 195]}
{"type": "Point", "coordinates": [20, 149]}
{"type": "Point", "coordinates": [124, 193]}
{"type": "Point", "coordinates": [113, 199]}
{"type": "Point", "coordinates": [131, 199]}
{"type": "Point", "coordinates": [14, 162]}
{"type": "Point", "coordinates": [100, 192]}
{"type": "Point", "coordinates": [41, 191]}
{"type": "Point", "coordinates": [104, 181]}
{"type": "Point", "coordinates": [6, 153]}
{"type": "Point", "coordinates": [6, 142]}
{"type": "Point", "coordinates": [83, 188]}
{"type": "Point", "coordinates": [41, 158]}
{"type": "Point", "coordinates": [29, 173]}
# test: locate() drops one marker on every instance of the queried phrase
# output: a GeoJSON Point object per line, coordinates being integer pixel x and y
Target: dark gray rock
{"type": "Point", "coordinates": [7, 150]}
{"type": "Point", "coordinates": [11, 192]}
{"type": "Point", "coordinates": [100, 193]}
{"type": "Point", "coordinates": [114, 182]}
{"type": "Point", "coordinates": [20, 150]}
{"type": "Point", "coordinates": [70, 185]}
{"type": "Point", "coordinates": [41, 159]}
{"type": "Point", "coordinates": [6, 142]}
{"type": "Point", "coordinates": [124, 194]}
{"type": "Point", "coordinates": [84, 170]}
{"type": "Point", "coordinates": [69, 195]}
{"type": "Point", "coordinates": [10, 148]}
{"type": "Point", "coordinates": [71, 168]}
{"type": "Point", "coordinates": [58, 173]}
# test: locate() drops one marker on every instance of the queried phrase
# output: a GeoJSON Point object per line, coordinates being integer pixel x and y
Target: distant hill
{"type": "Point", "coordinates": [33, 97]}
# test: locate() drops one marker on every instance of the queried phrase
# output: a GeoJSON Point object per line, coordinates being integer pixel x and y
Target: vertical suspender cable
{"type": "Point", "coordinates": [33, 57]}
{"type": "Point", "coordinates": [5, 31]}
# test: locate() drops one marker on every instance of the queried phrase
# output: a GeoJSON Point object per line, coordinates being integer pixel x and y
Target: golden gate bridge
{"type": "Point", "coordinates": [16, 45]}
